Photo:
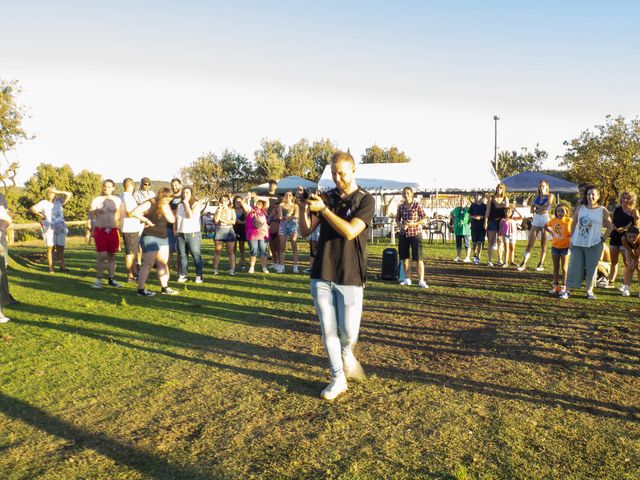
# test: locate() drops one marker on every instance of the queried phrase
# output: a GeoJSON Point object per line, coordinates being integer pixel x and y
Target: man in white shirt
{"type": "Point", "coordinates": [130, 230]}
{"type": "Point", "coordinates": [54, 228]}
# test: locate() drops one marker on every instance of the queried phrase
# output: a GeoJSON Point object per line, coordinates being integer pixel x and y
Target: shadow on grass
{"type": "Point", "coordinates": [120, 452]}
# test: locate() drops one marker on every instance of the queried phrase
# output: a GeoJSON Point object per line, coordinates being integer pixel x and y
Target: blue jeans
{"type": "Point", "coordinates": [339, 309]}
{"type": "Point", "coordinates": [190, 243]}
{"type": "Point", "coordinates": [258, 247]}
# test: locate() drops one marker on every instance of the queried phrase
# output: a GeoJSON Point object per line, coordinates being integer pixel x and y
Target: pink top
{"type": "Point", "coordinates": [508, 227]}
{"type": "Point", "coordinates": [254, 233]}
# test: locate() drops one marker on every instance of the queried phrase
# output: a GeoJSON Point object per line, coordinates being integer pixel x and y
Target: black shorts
{"type": "Point", "coordinates": [615, 240]}
{"type": "Point", "coordinates": [415, 243]}
{"type": "Point", "coordinates": [478, 236]}
{"type": "Point", "coordinates": [131, 243]}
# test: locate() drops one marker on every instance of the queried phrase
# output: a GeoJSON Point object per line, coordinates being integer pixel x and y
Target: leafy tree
{"type": "Point", "coordinates": [376, 154]}
{"type": "Point", "coordinates": [269, 159]}
{"type": "Point", "coordinates": [513, 162]}
{"type": "Point", "coordinates": [298, 160]}
{"type": "Point", "coordinates": [238, 171]}
{"type": "Point", "coordinates": [84, 186]}
{"type": "Point", "coordinates": [321, 152]}
{"type": "Point", "coordinates": [608, 157]}
{"type": "Point", "coordinates": [11, 131]}
{"type": "Point", "coordinates": [206, 175]}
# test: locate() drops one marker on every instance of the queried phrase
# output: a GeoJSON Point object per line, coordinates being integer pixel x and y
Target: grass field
{"type": "Point", "coordinates": [483, 376]}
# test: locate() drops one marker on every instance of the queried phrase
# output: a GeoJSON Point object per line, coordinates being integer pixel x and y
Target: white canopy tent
{"type": "Point", "coordinates": [442, 177]}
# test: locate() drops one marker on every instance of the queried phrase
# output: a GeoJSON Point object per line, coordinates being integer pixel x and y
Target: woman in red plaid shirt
{"type": "Point", "coordinates": [409, 218]}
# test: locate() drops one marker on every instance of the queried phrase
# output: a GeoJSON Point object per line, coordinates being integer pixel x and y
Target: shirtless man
{"type": "Point", "coordinates": [105, 213]}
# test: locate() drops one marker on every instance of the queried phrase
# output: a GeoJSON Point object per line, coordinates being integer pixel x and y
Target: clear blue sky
{"type": "Point", "coordinates": [133, 88]}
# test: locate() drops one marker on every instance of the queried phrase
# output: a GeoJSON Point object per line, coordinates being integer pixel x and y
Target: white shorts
{"type": "Point", "coordinates": [540, 221]}
{"type": "Point", "coordinates": [51, 238]}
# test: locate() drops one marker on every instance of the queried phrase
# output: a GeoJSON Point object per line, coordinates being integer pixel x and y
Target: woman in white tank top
{"type": "Point", "coordinates": [587, 241]}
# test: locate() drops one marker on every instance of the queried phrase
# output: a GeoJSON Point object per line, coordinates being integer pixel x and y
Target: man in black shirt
{"type": "Point", "coordinates": [477, 211]}
{"type": "Point", "coordinates": [339, 270]}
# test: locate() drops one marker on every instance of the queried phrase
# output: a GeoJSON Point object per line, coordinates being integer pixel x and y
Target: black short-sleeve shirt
{"type": "Point", "coordinates": [477, 209]}
{"type": "Point", "coordinates": [340, 260]}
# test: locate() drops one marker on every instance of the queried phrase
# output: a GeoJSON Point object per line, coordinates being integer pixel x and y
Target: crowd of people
{"type": "Point", "coordinates": [578, 239]}
{"type": "Point", "coordinates": [163, 230]}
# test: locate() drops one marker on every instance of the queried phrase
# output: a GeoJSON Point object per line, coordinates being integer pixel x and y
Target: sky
{"type": "Point", "coordinates": [141, 88]}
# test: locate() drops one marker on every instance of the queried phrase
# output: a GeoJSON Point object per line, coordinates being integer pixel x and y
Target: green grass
{"type": "Point", "coordinates": [483, 376]}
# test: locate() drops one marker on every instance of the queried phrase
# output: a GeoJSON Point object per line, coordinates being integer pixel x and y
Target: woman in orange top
{"type": "Point", "coordinates": [560, 230]}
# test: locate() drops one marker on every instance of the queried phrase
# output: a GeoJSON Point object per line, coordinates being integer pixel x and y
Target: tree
{"type": "Point", "coordinates": [298, 160]}
{"type": "Point", "coordinates": [84, 186]}
{"type": "Point", "coordinates": [206, 175]}
{"type": "Point", "coordinates": [238, 171]}
{"type": "Point", "coordinates": [269, 160]}
{"type": "Point", "coordinates": [513, 162]}
{"type": "Point", "coordinates": [375, 154]}
{"type": "Point", "coordinates": [11, 131]}
{"type": "Point", "coordinates": [608, 157]}
{"type": "Point", "coordinates": [321, 152]}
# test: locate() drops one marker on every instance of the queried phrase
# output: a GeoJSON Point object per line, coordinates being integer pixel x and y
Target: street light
{"type": "Point", "coordinates": [495, 144]}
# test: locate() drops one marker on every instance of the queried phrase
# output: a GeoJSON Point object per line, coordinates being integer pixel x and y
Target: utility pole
{"type": "Point", "coordinates": [495, 143]}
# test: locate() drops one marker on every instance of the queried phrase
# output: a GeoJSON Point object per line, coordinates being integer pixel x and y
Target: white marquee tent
{"type": "Point", "coordinates": [439, 177]}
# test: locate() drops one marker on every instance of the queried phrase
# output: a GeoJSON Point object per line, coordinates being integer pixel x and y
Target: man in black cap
{"type": "Point", "coordinates": [145, 193]}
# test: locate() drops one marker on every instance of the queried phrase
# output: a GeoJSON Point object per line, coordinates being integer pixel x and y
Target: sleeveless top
{"type": "Point", "coordinates": [587, 230]}
{"type": "Point", "coordinates": [497, 213]}
{"type": "Point", "coordinates": [288, 212]}
{"type": "Point", "coordinates": [159, 228]}
{"type": "Point", "coordinates": [620, 219]}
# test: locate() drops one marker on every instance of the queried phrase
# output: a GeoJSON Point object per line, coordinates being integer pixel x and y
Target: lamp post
{"type": "Point", "coordinates": [495, 143]}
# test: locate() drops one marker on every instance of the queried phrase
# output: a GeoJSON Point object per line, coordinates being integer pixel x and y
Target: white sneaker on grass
{"type": "Point", "coordinates": [198, 279]}
{"type": "Point", "coordinates": [182, 278]}
{"type": "Point", "coordinates": [232, 272]}
{"type": "Point", "coordinates": [489, 264]}
{"type": "Point", "coordinates": [280, 268]}
{"type": "Point", "coordinates": [4, 319]}
{"type": "Point", "coordinates": [169, 291]}
{"type": "Point", "coordinates": [252, 270]}
{"type": "Point", "coordinates": [295, 269]}
{"type": "Point", "coordinates": [423, 284]}
{"type": "Point", "coordinates": [466, 260]}
{"type": "Point", "coordinates": [97, 283]}
{"type": "Point", "coordinates": [265, 270]}
{"type": "Point", "coordinates": [335, 388]}
{"type": "Point", "coordinates": [625, 291]}
{"type": "Point", "coordinates": [457, 259]}
{"type": "Point", "coordinates": [406, 282]}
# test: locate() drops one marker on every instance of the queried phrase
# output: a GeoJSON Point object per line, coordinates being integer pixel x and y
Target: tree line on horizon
{"type": "Point", "coordinates": [608, 156]}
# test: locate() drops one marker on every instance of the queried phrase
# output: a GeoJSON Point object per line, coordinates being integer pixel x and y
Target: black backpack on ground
{"type": "Point", "coordinates": [389, 264]}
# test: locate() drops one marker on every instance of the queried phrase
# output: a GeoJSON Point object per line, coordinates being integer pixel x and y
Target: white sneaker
{"type": "Point", "coordinates": [626, 293]}
{"type": "Point", "coordinates": [352, 367]}
{"type": "Point", "coordinates": [215, 272]}
{"type": "Point", "coordinates": [489, 264]}
{"type": "Point", "coordinates": [232, 272]}
{"type": "Point", "coordinates": [252, 270]}
{"type": "Point", "coordinates": [623, 287]}
{"type": "Point", "coordinates": [406, 282]}
{"type": "Point", "coordinates": [295, 269]}
{"type": "Point", "coordinates": [457, 259]}
{"type": "Point", "coordinates": [539, 268]}
{"type": "Point", "coordinates": [273, 266]}
{"type": "Point", "coordinates": [198, 279]}
{"type": "Point", "coordinates": [467, 260]}
{"type": "Point", "coordinates": [265, 270]}
{"type": "Point", "coordinates": [182, 278]}
{"type": "Point", "coordinates": [97, 283]}
{"type": "Point", "coordinates": [4, 319]}
{"type": "Point", "coordinates": [423, 284]}
{"type": "Point", "coordinates": [335, 388]}
{"type": "Point", "coordinates": [280, 269]}
{"type": "Point", "coordinates": [169, 291]}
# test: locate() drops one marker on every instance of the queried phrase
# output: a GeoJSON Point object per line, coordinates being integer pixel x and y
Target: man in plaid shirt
{"type": "Point", "coordinates": [409, 219]}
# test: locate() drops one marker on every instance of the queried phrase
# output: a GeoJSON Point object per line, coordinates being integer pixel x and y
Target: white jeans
{"type": "Point", "coordinates": [339, 309]}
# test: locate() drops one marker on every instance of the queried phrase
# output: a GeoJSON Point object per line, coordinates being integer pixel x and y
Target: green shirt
{"type": "Point", "coordinates": [461, 225]}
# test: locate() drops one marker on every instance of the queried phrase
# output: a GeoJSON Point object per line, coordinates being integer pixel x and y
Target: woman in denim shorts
{"type": "Point", "coordinates": [225, 219]}
{"type": "Point", "coordinates": [288, 214]}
